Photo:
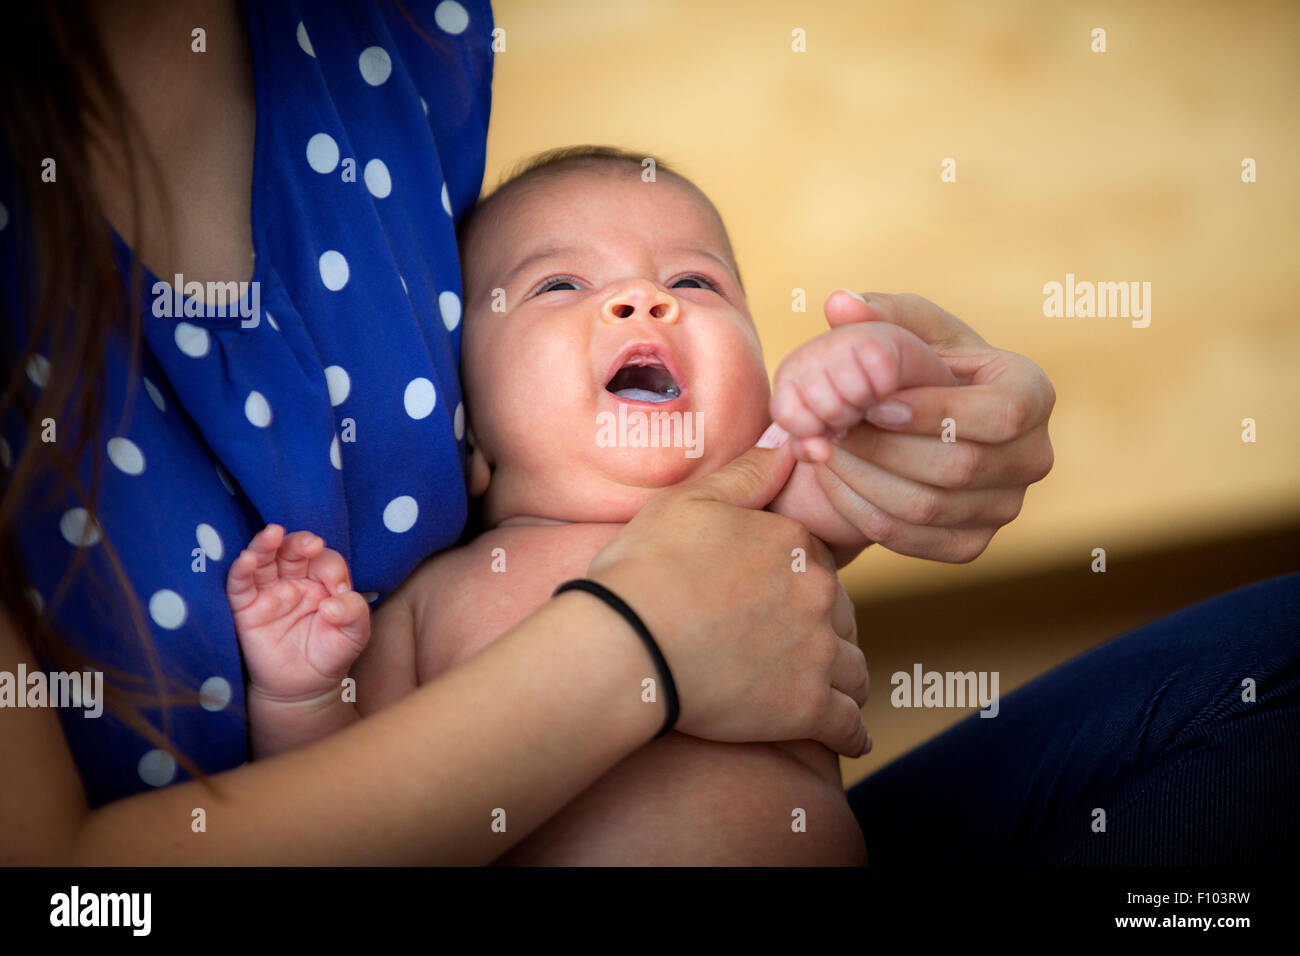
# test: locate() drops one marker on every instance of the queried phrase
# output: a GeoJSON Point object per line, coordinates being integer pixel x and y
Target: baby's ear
{"type": "Point", "coordinates": [480, 472]}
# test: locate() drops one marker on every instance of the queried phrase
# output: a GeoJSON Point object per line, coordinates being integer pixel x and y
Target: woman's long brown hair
{"type": "Point", "coordinates": [58, 98]}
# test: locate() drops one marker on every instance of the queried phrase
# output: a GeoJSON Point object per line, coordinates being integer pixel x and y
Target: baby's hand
{"type": "Point", "coordinates": [300, 624]}
{"type": "Point", "coordinates": [824, 387]}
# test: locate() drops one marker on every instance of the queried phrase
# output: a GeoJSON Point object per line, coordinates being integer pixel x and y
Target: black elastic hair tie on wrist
{"type": "Point", "coordinates": [629, 615]}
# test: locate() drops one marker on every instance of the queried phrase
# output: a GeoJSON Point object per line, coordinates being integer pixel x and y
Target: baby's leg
{"type": "Point", "coordinates": [683, 801]}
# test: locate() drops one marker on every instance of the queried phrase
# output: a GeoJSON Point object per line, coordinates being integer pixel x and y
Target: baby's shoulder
{"type": "Point", "coordinates": [465, 598]}
{"type": "Point", "coordinates": [537, 550]}
{"type": "Point", "coordinates": [529, 558]}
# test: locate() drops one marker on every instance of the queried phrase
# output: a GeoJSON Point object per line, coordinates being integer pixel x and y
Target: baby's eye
{"type": "Point", "coordinates": [700, 282]}
{"type": "Point", "coordinates": [555, 282]}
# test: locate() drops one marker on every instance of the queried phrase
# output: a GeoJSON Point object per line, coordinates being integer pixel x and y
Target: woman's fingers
{"type": "Point", "coordinates": [842, 728]}
{"type": "Point", "coordinates": [844, 618]}
{"type": "Point", "coordinates": [746, 608]}
{"type": "Point", "coordinates": [750, 481]}
{"type": "Point", "coordinates": [945, 465]}
{"type": "Point", "coordinates": [824, 387]}
{"type": "Point", "coordinates": [955, 466]}
{"type": "Point", "coordinates": [849, 669]}
{"type": "Point", "coordinates": [923, 318]}
{"type": "Point", "coordinates": [1008, 397]}
{"type": "Point", "coordinates": [849, 674]}
{"type": "Point", "coordinates": [919, 539]}
{"type": "Point", "coordinates": [851, 482]}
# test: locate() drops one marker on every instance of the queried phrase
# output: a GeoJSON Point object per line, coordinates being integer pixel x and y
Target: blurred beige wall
{"type": "Point", "coordinates": [1115, 166]}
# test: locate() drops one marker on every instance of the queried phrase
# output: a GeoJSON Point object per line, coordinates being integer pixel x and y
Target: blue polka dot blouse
{"type": "Point", "coordinates": [326, 397]}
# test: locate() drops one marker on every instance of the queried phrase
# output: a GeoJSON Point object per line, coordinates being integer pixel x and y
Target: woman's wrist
{"type": "Point", "coordinates": [652, 689]}
{"type": "Point", "coordinates": [614, 658]}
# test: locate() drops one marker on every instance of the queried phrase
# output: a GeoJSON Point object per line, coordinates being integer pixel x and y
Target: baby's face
{"type": "Point", "coordinates": [615, 307]}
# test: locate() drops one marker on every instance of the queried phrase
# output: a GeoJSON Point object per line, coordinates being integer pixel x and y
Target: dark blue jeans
{"type": "Point", "coordinates": [1150, 728]}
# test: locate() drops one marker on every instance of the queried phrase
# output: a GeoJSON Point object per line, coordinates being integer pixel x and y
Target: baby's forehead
{"type": "Point", "coordinates": [611, 195]}
{"type": "Point", "coordinates": [587, 204]}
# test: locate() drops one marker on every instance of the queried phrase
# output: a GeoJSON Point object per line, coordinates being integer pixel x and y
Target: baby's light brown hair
{"type": "Point", "coordinates": [551, 162]}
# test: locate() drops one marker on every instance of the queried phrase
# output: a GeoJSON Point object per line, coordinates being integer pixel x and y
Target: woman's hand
{"type": "Point", "coordinates": [897, 480]}
{"type": "Point", "coordinates": [746, 607]}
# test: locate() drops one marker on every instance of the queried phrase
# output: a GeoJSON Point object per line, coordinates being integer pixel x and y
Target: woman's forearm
{"type": "Point", "coordinates": [511, 735]}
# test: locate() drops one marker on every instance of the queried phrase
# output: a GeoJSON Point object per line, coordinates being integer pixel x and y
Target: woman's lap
{"type": "Point", "coordinates": [1150, 728]}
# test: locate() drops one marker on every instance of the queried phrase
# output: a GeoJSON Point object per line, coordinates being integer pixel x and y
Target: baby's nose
{"type": "Point", "coordinates": [639, 299]}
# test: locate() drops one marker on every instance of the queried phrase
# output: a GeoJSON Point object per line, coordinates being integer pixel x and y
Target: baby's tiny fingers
{"type": "Point", "coordinates": [241, 581]}
{"type": "Point", "coordinates": [824, 399]}
{"type": "Point", "coordinates": [791, 411]}
{"type": "Point", "coordinates": [331, 570]}
{"type": "Point", "coordinates": [297, 552]}
{"type": "Point", "coordinates": [267, 541]}
{"type": "Point", "coordinates": [852, 381]}
{"type": "Point", "coordinates": [350, 613]}
{"type": "Point", "coordinates": [813, 450]}
{"type": "Point", "coordinates": [265, 570]}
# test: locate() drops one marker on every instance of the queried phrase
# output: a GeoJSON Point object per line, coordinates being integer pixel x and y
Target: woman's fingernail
{"type": "Point", "coordinates": [774, 437]}
{"type": "Point", "coordinates": [889, 413]}
{"type": "Point", "coordinates": [866, 748]}
{"type": "Point", "coordinates": [855, 295]}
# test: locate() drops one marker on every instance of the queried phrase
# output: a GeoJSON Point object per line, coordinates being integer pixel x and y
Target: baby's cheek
{"type": "Point", "coordinates": [744, 391]}
{"type": "Point", "coordinates": [733, 425]}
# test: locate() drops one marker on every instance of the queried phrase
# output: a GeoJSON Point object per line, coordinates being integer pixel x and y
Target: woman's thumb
{"type": "Point", "coordinates": [754, 478]}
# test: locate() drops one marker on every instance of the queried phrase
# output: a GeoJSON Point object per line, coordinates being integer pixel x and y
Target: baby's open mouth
{"type": "Point", "coordinates": [644, 379]}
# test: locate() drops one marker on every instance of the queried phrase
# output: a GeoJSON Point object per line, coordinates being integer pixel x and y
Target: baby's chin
{"type": "Point", "coordinates": [610, 490]}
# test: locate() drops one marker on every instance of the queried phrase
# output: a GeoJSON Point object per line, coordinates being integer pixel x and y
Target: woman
{"type": "Point", "coordinates": [224, 156]}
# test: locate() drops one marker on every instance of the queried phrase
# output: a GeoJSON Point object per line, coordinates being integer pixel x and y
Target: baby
{"type": "Point", "coordinates": [608, 353]}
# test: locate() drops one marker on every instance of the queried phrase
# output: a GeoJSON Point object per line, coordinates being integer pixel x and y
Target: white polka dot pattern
{"type": "Point", "coordinates": [334, 270]}
{"type": "Point", "coordinates": [322, 153]}
{"type": "Point", "coordinates": [451, 17]}
{"type": "Point", "coordinates": [126, 455]}
{"type": "Point", "coordinates": [157, 768]}
{"type": "Point", "coordinates": [419, 398]}
{"type": "Point", "coordinates": [376, 65]}
{"type": "Point", "coordinates": [400, 514]}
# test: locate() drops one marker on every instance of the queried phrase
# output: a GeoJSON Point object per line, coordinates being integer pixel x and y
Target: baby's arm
{"type": "Point", "coordinates": [300, 626]}
{"type": "Point", "coordinates": [823, 389]}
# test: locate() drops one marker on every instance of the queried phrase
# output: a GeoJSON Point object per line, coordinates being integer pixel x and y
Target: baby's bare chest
{"type": "Point", "coordinates": [494, 583]}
